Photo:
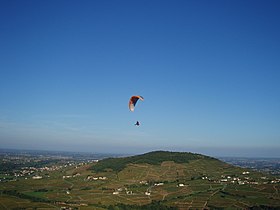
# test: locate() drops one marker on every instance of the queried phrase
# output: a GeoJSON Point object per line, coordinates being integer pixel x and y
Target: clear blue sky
{"type": "Point", "coordinates": [209, 72]}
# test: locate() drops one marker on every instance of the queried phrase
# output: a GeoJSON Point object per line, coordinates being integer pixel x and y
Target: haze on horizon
{"type": "Point", "coordinates": [208, 70]}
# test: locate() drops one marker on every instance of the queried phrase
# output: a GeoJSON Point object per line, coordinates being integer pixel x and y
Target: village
{"type": "Point", "coordinates": [36, 166]}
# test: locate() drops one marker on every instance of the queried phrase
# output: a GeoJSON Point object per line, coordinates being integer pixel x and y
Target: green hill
{"type": "Point", "coordinates": [153, 158]}
{"type": "Point", "coordinates": [155, 180]}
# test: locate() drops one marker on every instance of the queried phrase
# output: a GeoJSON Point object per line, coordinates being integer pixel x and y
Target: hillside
{"type": "Point", "coordinates": [155, 180]}
{"type": "Point", "coordinates": [152, 158]}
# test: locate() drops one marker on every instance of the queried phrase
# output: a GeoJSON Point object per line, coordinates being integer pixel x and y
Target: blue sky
{"type": "Point", "coordinates": [209, 72]}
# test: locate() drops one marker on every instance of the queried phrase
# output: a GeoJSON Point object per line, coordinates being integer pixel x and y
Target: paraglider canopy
{"type": "Point", "coordinates": [132, 102]}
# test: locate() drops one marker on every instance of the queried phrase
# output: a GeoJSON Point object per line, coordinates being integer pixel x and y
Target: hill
{"type": "Point", "coordinates": [155, 180]}
{"type": "Point", "coordinates": [153, 158]}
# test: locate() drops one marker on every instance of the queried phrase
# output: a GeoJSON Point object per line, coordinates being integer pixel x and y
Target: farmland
{"type": "Point", "coordinates": [170, 180]}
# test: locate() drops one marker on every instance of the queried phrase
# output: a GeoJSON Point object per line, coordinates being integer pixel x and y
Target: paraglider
{"type": "Point", "coordinates": [132, 103]}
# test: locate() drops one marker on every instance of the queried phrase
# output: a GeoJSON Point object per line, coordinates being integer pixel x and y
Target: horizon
{"type": "Point", "coordinates": [241, 155]}
{"type": "Point", "coordinates": [208, 72]}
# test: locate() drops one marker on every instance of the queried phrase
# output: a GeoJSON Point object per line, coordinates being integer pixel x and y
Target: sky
{"type": "Point", "coordinates": [209, 72]}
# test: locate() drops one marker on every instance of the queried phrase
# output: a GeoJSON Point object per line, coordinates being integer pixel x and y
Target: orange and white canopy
{"type": "Point", "coordinates": [132, 102]}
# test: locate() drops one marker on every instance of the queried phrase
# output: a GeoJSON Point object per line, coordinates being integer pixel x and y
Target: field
{"type": "Point", "coordinates": [198, 184]}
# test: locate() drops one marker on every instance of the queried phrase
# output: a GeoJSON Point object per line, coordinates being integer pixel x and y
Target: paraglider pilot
{"type": "Point", "coordinates": [131, 105]}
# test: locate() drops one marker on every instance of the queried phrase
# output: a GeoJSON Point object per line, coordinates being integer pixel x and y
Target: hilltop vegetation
{"type": "Point", "coordinates": [152, 158]}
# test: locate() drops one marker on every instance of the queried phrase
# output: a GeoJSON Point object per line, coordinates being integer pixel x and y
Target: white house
{"type": "Point", "coordinates": [37, 177]}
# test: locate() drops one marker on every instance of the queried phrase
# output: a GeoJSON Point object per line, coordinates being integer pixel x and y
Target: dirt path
{"type": "Point", "coordinates": [206, 202]}
{"type": "Point", "coordinates": [276, 190]}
